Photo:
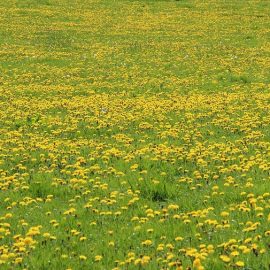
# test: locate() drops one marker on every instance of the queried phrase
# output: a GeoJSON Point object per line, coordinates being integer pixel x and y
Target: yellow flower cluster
{"type": "Point", "coordinates": [134, 135]}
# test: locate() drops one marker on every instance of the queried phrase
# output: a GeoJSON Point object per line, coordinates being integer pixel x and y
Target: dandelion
{"type": "Point", "coordinates": [98, 258]}
{"type": "Point", "coordinates": [225, 258]}
{"type": "Point", "coordinates": [240, 264]}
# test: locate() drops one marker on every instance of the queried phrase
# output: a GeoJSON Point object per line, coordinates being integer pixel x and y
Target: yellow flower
{"type": "Point", "coordinates": [4, 257]}
{"type": "Point", "coordinates": [28, 241]}
{"type": "Point", "coordinates": [224, 214]}
{"type": "Point", "coordinates": [147, 243]}
{"type": "Point", "coordinates": [83, 238]}
{"type": "Point", "coordinates": [8, 215]}
{"type": "Point", "coordinates": [225, 258]}
{"type": "Point", "coordinates": [46, 235]}
{"type": "Point", "coordinates": [145, 260]}
{"type": "Point", "coordinates": [137, 261]}
{"type": "Point", "coordinates": [173, 207]}
{"type": "Point", "coordinates": [98, 258]}
{"type": "Point", "coordinates": [235, 253]}
{"type": "Point", "coordinates": [179, 238]}
{"type": "Point", "coordinates": [240, 263]}
{"type": "Point", "coordinates": [196, 263]}
{"type": "Point", "coordinates": [70, 211]}
{"type": "Point", "coordinates": [18, 260]}
{"type": "Point", "coordinates": [111, 244]}
{"type": "Point", "coordinates": [134, 167]}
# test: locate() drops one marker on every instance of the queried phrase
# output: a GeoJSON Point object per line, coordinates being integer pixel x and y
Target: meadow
{"type": "Point", "coordinates": [134, 135]}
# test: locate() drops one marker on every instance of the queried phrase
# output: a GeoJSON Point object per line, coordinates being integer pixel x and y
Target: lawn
{"type": "Point", "coordinates": [134, 135]}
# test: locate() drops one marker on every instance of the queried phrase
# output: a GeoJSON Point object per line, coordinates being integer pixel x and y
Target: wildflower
{"type": "Point", "coordinates": [240, 264]}
{"type": "Point", "coordinates": [83, 258]}
{"type": "Point", "coordinates": [225, 258]}
{"type": "Point", "coordinates": [147, 243]}
{"type": "Point", "coordinates": [98, 258]}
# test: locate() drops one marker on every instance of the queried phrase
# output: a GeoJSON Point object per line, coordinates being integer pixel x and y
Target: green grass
{"type": "Point", "coordinates": [127, 121]}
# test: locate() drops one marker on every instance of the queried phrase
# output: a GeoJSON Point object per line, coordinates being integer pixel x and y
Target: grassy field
{"type": "Point", "coordinates": [134, 135]}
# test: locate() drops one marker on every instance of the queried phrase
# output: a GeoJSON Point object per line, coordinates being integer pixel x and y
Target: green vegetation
{"type": "Point", "coordinates": [134, 135]}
